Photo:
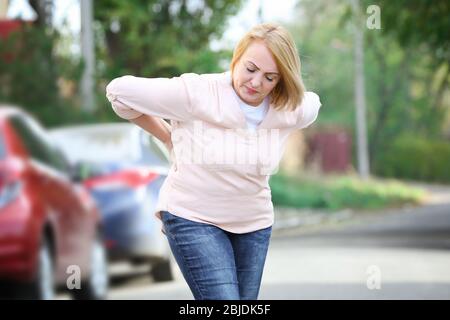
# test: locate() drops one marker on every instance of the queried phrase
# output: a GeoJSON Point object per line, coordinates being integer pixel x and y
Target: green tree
{"type": "Point", "coordinates": [30, 72]}
{"type": "Point", "coordinates": [423, 27]}
{"type": "Point", "coordinates": [146, 37]}
{"type": "Point", "coordinates": [418, 23]}
{"type": "Point", "coordinates": [161, 37]}
{"type": "Point", "coordinates": [401, 90]}
{"type": "Point", "coordinates": [157, 38]}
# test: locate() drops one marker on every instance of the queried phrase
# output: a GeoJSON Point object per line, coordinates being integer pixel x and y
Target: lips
{"type": "Point", "coordinates": [251, 91]}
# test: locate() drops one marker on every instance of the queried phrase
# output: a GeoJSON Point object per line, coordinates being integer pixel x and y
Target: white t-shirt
{"type": "Point", "coordinates": [254, 115]}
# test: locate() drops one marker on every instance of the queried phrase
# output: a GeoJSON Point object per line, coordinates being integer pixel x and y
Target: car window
{"type": "Point", "coordinates": [99, 146]}
{"type": "Point", "coordinates": [2, 147]}
{"type": "Point", "coordinates": [111, 144]}
{"type": "Point", "coordinates": [37, 143]}
{"type": "Point", "coordinates": [154, 151]}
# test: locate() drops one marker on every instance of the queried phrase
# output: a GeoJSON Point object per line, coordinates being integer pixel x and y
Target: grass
{"type": "Point", "coordinates": [339, 192]}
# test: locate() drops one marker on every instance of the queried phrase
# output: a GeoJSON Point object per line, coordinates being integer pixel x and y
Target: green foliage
{"type": "Point", "coordinates": [30, 51]}
{"type": "Point", "coordinates": [325, 48]}
{"type": "Point", "coordinates": [335, 193]}
{"type": "Point", "coordinates": [411, 157]}
{"type": "Point", "coordinates": [418, 22]}
{"type": "Point", "coordinates": [405, 84]}
{"type": "Point", "coordinates": [29, 74]}
{"type": "Point", "coordinates": [159, 37]}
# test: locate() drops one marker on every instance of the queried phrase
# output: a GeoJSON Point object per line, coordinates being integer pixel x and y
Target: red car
{"type": "Point", "coordinates": [50, 232]}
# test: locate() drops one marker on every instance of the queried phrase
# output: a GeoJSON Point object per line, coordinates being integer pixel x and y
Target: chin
{"type": "Point", "coordinates": [247, 98]}
{"type": "Point", "coordinates": [252, 100]}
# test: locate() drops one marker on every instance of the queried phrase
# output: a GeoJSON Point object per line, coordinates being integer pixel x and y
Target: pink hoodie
{"type": "Point", "coordinates": [220, 171]}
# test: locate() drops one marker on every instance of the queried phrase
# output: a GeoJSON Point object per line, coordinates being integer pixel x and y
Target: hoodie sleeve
{"type": "Point", "coordinates": [309, 110]}
{"type": "Point", "coordinates": [168, 98]}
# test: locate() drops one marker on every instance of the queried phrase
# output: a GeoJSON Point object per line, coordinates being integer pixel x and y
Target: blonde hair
{"type": "Point", "coordinates": [288, 93]}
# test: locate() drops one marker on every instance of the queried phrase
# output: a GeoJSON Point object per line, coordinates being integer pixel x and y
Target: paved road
{"type": "Point", "coordinates": [401, 254]}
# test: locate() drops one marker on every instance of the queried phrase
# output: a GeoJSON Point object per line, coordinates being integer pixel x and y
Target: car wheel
{"type": "Point", "coordinates": [43, 287]}
{"type": "Point", "coordinates": [162, 271]}
{"type": "Point", "coordinates": [95, 287]}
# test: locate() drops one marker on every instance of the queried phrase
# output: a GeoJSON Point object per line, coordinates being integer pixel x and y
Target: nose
{"type": "Point", "coordinates": [256, 81]}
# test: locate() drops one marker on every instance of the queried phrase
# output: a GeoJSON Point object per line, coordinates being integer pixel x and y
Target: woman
{"type": "Point", "coordinates": [228, 132]}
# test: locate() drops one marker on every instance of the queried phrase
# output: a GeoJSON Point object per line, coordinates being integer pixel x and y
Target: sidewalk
{"type": "Point", "coordinates": [438, 193]}
{"type": "Point", "coordinates": [292, 220]}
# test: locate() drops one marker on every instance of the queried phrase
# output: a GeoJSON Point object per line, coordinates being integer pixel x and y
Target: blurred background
{"type": "Point", "coordinates": [381, 142]}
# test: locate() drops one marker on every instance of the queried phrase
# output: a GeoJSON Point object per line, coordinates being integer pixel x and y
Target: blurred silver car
{"type": "Point", "coordinates": [124, 168]}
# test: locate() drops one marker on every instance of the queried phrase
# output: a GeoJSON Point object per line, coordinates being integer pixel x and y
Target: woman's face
{"type": "Point", "coordinates": [255, 74]}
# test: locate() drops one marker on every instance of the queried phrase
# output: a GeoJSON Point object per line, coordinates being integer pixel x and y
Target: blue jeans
{"type": "Point", "coordinates": [217, 264]}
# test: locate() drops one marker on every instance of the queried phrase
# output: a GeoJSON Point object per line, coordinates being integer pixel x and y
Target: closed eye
{"type": "Point", "coordinates": [251, 70]}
